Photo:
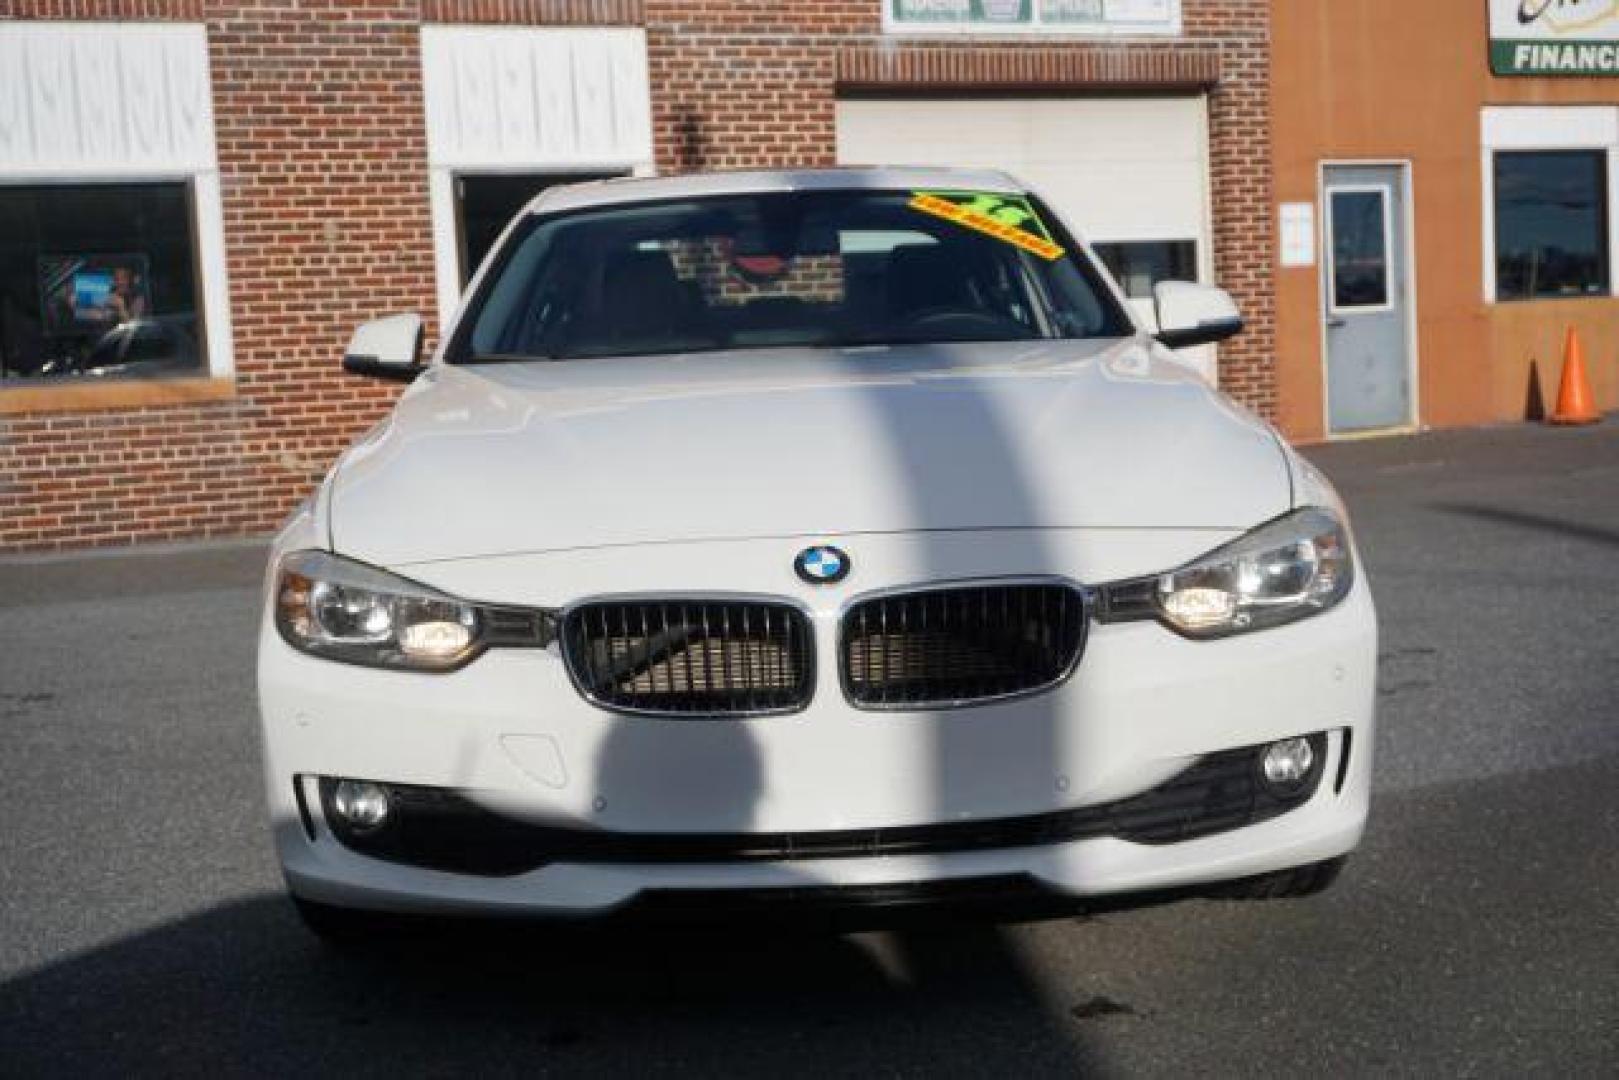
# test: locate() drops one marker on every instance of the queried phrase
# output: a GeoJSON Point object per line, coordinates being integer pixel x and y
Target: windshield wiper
{"type": "Point", "coordinates": [897, 340]}
{"type": "Point", "coordinates": [507, 358]}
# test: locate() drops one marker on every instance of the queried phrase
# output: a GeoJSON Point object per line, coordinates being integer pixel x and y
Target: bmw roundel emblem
{"type": "Point", "coordinates": [822, 565]}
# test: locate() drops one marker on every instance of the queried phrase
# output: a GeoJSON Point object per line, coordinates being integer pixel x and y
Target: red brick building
{"type": "Point", "coordinates": [200, 199]}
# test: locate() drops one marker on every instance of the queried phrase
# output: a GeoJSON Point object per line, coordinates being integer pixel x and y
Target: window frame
{"type": "Point", "coordinates": [1197, 275]}
{"type": "Point", "coordinates": [457, 346]}
{"type": "Point", "coordinates": [1547, 128]}
{"type": "Point", "coordinates": [457, 147]}
{"type": "Point", "coordinates": [1174, 26]}
{"type": "Point", "coordinates": [1385, 194]}
{"type": "Point", "coordinates": [465, 268]}
{"type": "Point", "coordinates": [1604, 225]}
{"type": "Point", "coordinates": [186, 153]}
{"type": "Point", "coordinates": [212, 364]}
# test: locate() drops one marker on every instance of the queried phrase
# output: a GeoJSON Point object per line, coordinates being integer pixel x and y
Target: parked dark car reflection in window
{"type": "Point", "coordinates": [141, 348]}
{"type": "Point", "coordinates": [99, 280]}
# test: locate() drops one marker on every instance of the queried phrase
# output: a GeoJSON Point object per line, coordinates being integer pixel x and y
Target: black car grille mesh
{"type": "Point", "coordinates": [691, 657]}
{"type": "Point", "coordinates": [960, 645]}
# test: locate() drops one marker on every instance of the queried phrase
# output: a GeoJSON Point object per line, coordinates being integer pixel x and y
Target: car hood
{"type": "Point", "coordinates": [542, 456]}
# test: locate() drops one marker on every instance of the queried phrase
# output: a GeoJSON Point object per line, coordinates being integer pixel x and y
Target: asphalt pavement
{"type": "Point", "coordinates": [143, 929]}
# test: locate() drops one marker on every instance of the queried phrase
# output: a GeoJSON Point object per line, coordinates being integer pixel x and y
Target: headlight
{"type": "Point", "coordinates": [347, 611]}
{"type": "Point", "coordinates": [1296, 566]}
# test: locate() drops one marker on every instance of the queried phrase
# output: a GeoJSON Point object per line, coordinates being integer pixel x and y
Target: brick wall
{"type": "Point", "coordinates": [132, 10]}
{"type": "Point", "coordinates": [739, 83]}
{"type": "Point", "coordinates": [535, 12]}
{"type": "Point", "coordinates": [323, 165]}
{"type": "Point", "coordinates": [1240, 173]}
{"type": "Point", "coordinates": [323, 170]}
{"type": "Point", "coordinates": [323, 156]}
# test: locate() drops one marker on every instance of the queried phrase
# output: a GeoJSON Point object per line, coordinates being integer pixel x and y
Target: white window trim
{"type": "Point", "coordinates": [208, 241]}
{"type": "Point", "coordinates": [444, 204]}
{"type": "Point", "coordinates": [450, 156]}
{"type": "Point", "coordinates": [1547, 128]}
{"type": "Point", "coordinates": [196, 163]}
{"type": "Point", "coordinates": [1386, 195]}
{"type": "Point", "coordinates": [1143, 28]}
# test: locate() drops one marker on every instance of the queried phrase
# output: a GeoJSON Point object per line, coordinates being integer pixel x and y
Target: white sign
{"type": "Point", "coordinates": [1109, 17]}
{"type": "Point", "coordinates": [1554, 37]}
{"type": "Point", "coordinates": [1298, 234]}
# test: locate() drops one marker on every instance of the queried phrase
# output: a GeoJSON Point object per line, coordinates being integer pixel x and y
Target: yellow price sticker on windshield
{"type": "Point", "coordinates": [993, 216]}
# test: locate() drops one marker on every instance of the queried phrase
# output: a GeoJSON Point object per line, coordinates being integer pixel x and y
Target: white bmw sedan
{"type": "Point", "coordinates": [831, 536]}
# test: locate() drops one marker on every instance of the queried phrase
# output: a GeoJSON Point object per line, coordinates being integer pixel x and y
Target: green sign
{"type": "Point", "coordinates": [1072, 11]}
{"type": "Point", "coordinates": [1554, 37]}
{"type": "Point", "coordinates": [1005, 217]}
{"type": "Point", "coordinates": [1554, 58]}
{"type": "Point", "coordinates": [982, 12]}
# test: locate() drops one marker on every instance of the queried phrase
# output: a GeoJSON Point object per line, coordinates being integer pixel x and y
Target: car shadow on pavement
{"type": "Point", "coordinates": [242, 988]}
{"type": "Point", "coordinates": [1484, 902]}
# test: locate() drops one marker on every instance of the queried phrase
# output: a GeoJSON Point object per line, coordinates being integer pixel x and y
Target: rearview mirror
{"type": "Point", "coordinates": [1191, 314]}
{"type": "Point", "coordinates": [387, 348]}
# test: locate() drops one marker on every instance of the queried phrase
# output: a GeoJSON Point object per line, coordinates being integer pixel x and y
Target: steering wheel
{"type": "Point", "coordinates": [958, 321]}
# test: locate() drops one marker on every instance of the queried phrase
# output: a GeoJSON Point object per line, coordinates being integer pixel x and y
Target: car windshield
{"type": "Point", "coordinates": [810, 269]}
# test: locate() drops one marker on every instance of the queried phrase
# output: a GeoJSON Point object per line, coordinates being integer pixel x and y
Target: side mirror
{"type": "Point", "coordinates": [389, 348]}
{"type": "Point", "coordinates": [1191, 314]}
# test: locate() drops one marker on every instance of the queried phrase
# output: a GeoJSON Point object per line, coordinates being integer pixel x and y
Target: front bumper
{"type": "Point", "coordinates": [1329, 825]}
{"type": "Point", "coordinates": [512, 734]}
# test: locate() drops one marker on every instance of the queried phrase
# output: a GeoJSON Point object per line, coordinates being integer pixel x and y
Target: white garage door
{"type": "Point", "coordinates": [1131, 174]}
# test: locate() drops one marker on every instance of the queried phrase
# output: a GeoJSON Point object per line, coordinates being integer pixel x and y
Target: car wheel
{"type": "Point", "coordinates": [1285, 884]}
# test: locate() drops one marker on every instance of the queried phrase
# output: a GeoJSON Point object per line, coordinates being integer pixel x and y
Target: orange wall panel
{"type": "Point", "coordinates": [1392, 80]}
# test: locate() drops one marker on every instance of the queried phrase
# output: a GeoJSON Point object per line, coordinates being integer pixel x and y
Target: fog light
{"type": "Point", "coordinates": [362, 805]}
{"type": "Point", "coordinates": [1287, 763]}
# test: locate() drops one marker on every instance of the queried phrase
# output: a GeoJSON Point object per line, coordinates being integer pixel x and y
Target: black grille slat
{"type": "Point", "coordinates": [685, 654]}
{"type": "Point", "coordinates": [725, 649]}
{"type": "Point", "coordinates": [590, 654]}
{"type": "Point", "coordinates": [708, 654]}
{"type": "Point", "coordinates": [644, 640]}
{"type": "Point", "coordinates": [772, 673]}
{"type": "Point", "coordinates": [749, 660]}
{"type": "Point", "coordinates": [988, 641]}
{"type": "Point", "coordinates": [688, 657]}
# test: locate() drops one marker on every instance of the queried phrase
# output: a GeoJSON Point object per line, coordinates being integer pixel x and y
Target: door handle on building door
{"type": "Point", "coordinates": [1335, 323]}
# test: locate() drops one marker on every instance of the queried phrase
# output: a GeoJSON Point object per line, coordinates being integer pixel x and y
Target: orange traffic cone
{"type": "Point", "coordinates": [1574, 403]}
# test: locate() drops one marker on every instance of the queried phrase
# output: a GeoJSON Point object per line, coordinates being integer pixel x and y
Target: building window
{"type": "Point", "coordinates": [1360, 231]}
{"type": "Point", "coordinates": [485, 204]}
{"type": "Point", "coordinates": [1138, 266]}
{"type": "Point", "coordinates": [1551, 227]}
{"type": "Point", "coordinates": [1122, 17]}
{"type": "Point", "coordinates": [98, 280]}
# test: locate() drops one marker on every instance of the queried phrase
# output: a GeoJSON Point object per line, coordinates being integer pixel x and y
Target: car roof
{"type": "Point", "coordinates": [697, 185]}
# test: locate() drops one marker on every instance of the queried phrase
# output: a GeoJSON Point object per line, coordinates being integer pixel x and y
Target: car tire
{"type": "Point", "coordinates": [1286, 884]}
